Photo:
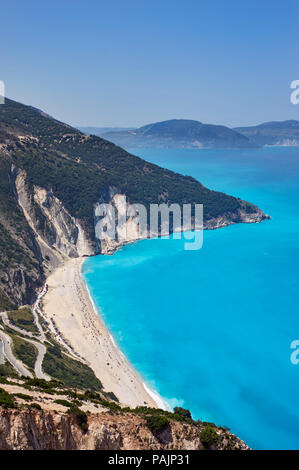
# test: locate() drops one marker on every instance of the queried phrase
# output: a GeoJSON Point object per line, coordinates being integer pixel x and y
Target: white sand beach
{"type": "Point", "coordinates": [68, 304]}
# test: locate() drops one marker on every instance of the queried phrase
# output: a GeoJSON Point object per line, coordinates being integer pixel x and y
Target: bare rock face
{"type": "Point", "coordinates": [58, 234]}
{"type": "Point", "coordinates": [23, 286]}
{"type": "Point", "coordinates": [52, 430]}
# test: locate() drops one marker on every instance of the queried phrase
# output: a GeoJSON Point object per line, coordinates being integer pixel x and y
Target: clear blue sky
{"type": "Point", "coordinates": [128, 63]}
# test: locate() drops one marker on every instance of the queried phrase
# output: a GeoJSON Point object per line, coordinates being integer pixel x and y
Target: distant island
{"type": "Point", "coordinates": [284, 133]}
{"type": "Point", "coordinates": [177, 133]}
{"type": "Point", "coordinates": [98, 131]}
{"type": "Point", "coordinates": [185, 133]}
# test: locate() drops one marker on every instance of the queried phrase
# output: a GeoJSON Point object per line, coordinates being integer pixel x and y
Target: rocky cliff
{"type": "Point", "coordinates": [47, 430]}
{"type": "Point", "coordinates": [62, 236]}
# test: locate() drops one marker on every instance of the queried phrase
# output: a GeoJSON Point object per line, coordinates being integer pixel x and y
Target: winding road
{"type": "Point", "coordinates": [36, 311]}
{"type": "Point", "coordinates": [7, 322]}
{"type": "Point", "coordinates": [18, 365]}
{"type": "Point", "coordinates": [41, 349]}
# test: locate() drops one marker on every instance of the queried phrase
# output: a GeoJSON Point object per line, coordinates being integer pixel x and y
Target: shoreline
{"type": "Point", "coordinates": [159, 401]}
{"type": "Point", "coordinates": [69, 304]}
{"type": "Point", "coordinates": [214, 224]}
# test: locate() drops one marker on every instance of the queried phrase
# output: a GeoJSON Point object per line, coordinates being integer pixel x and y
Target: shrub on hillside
{"type": "Point", "coordinates": [156, 423]}
{"type": "Point", "coordinates": [208, 436]}
{"type": "Point", "coordinates": [80, 417]}
{"type": "Point", "coordinates": [182, 412]}
{"type": "Point", "coordinates": [6, 399]}
{"type": "Point", "coordinates": [35, 406]}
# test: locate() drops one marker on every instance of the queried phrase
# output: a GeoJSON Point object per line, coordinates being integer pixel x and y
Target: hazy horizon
{"type": "Point", "coordinates": [136, 127]}
{"type": "Point", "coordinates": [127, 64]}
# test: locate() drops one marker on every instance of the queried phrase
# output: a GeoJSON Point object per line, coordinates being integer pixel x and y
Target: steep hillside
{"type": "Point", "coordinates": [180, 133]}
{"type": "Point", "coordinates": [52, 176]}
{"type": "Point", "coordinates": [273, 133]}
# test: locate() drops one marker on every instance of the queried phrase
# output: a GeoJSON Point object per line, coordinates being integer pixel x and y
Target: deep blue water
{"type": "Point", "coordinates": [210, 330]}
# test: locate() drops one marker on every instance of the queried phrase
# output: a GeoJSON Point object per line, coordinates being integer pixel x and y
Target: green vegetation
{"type": "Point", "coordinates": [208, 436]}
{"type": "Point", "coordinates": [80, 417]}
{"type": "Point", "coordinates": [7, 370]}
{"type": "Point", "coordinates": [157, 423]}
{"type": "Point", "coordinates": [89, 395]}
{"type": "Point", "coordinates": [17, 247]}
{"type": "Point", "coordinates": [182, 412]}
{"type": "Point", "coordinates": [24, 351]}
{"type": "Point", "coordinates": [43, 384]}
{"type": "Point", "coordinates": [23, 396]}
{"type": "Point", "coordinates": [66, 403]}
{"type": "Point", "coordinates": [110, 396]}
{"type": "Point", "coordinates": [70, 372]}
{"type": "Point", "coordinates": [94, 397]}
{"type": "Point", "coordinates": [23, 318]}
{"type": "Point", "coordinates": [74, 410]}
{"type": "Point", "coordinates": [110, 405]}
{"type": "Point", "coordinates": [34, 406]}
{"type": "Point", "coordinates": [6, 399]}
{"type": "Point", "coordinates": [145, 411]}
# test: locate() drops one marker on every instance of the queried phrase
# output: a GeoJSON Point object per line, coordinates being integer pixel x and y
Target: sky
{"type": "Point", "coordinates": [127, 63]}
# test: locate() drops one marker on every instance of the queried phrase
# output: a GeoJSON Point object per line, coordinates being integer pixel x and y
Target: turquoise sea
{"type": "Point", "coordinates": [210, 330]}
